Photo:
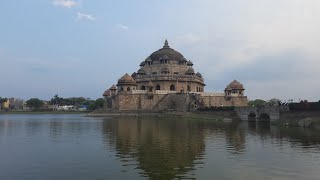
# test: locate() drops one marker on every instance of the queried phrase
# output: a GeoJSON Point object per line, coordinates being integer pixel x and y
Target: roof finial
{"type": "Point", "coordinates": [166, 44]}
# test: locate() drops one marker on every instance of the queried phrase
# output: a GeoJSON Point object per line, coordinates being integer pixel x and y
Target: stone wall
{"type": "Point", "coordinates": [209, 101]}
{"type": "Point", "coordinates": [181, 102]}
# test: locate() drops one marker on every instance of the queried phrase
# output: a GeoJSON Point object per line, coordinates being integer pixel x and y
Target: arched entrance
{"type": "Point", "coordinates": [172, 87]}
{"type": "Point", "coordinates": [158, 87]}
{"type": "Point", "coordinates": [264, 117]}
{"type": "Point", "coordinates": [143, 87]}
{"type": "Point", "coordinates": [252, 117]}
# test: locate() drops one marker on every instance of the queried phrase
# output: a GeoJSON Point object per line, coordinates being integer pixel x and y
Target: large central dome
{"type": "Point", "coordinates": [166, 53]}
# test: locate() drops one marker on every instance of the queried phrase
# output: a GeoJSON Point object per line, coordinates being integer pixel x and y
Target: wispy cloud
{"type": "Point", "coordinates": [64, 3]}
{"type": "Point", "coordinates": [122, 27]}
{"type": "Point", "coordinates": [83, 16]}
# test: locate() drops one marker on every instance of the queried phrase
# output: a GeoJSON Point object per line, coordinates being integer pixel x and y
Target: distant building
{"type": "Point", "coordinates": [5, 104]}
{"type": "Point", "coordinates": [16, 103]}
{"type": "Point", "coordinates": [83, 108]}
{"type": "Point", "coordinates": [166, 80]}
{"type": "Point", "coordinates": [66, 108]}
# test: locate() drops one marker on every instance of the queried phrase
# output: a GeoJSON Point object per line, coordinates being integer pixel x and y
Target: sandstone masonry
{"type": "Point", "coordinates": [166, 81]}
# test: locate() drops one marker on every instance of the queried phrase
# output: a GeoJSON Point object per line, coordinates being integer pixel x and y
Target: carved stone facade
{"type": "Point", "coordinates": [167, 81]}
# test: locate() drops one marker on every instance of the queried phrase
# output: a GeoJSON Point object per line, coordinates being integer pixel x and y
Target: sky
{"type": "Point", "coordinates": [79, 48]}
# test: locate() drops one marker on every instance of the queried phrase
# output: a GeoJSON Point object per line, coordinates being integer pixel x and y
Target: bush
{"type": "Point", "coordinates": [221, 108]}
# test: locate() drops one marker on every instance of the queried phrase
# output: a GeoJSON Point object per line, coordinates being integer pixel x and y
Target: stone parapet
{"type": "Point", "coordinates": [210, 94]}
{"type": "Point", "coordinates": [181, 78]}
{"type": "Point", "coordinates": [139, 91]}
{"type": "Point", "coordinates": [165, 92]}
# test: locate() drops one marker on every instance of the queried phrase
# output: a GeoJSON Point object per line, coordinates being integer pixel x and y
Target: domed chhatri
{"type": "Point", "coordinates": [107, 92]}
{"type": "Point", "coordinates": [167, 80]}
{"type": "Point", "coordinates": [235, 85]}
{"type": "Point", "coordinates": [126, 79]}
{"type": "Point", "coordinates": [113, 87]}
{"type": "Point", "coordinates": [235, 88]}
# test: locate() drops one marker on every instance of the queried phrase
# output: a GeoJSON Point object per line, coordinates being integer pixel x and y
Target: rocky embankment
{"type": "Point", "coordinates": [300, 118]}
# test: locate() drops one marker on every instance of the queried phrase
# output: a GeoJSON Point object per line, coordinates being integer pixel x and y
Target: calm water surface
{"type": "Point", "coordinates": [38, 147]}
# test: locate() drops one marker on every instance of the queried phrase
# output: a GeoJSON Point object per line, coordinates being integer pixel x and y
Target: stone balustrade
{"type": "Point", "coordinates": [168, 77]}
{"type": "Point", "coordinates": [139, 91]}
{"type": "Point", "coordinates": [165, 92]}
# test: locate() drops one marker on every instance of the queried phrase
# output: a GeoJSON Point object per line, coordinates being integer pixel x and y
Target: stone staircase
{"type": "Point", "coordinates": [173, 102]}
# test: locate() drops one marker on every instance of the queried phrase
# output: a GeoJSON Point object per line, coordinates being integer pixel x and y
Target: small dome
{"type": "Point", "coordinates": [189, 63]}
{"type": "Point", "coordinates": [235, 85]}
{"type": "Point", "coordinates": [142, 63]}
{"type": "Point", "coordinates": [199, 74]}
{"type": "Point", "coordinates": [165, 70]}
{"type": "Point", "coordinates": [141, 72]}
{"type": "Point", "coordinates": [106, 93]}
{"type": "Point", "coordinates": [183, 59]}
{"type": "Point", "coordinates": [113, 87]}
{"type": "Point", "coordinates": [190, 71]}
{"type": "Point", "coordinates": [126, 80]}
{"type": "Point", "coordinates": [134, 75]}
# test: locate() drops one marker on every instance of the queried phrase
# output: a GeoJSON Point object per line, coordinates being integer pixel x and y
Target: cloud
{"type": "Point", "coordinates": [122, 27]}
{"type": "Point", "coordinates": [64, 3]}
{"type": "Point", "coordinates": [83, 16]}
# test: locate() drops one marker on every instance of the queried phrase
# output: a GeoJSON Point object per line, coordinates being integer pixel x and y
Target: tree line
{"type": "Point", "coordinates": [38, 104]}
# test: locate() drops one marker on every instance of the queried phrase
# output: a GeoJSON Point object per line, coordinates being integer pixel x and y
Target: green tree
{"type": "Point", "coordinates": [274, 102]}
{"type": "Point", "coordinates": [92, 105]}
{"type": "Point", "coordinates": [99, 103]}
{"type": "Point", "coordinates": [3, 99]}
{"type": "Point", "coordinates": [257, 102]}
{"type": "Point", "coordinates": [56, 100]}
{"type": "Point", "coordinates": [34, 103]}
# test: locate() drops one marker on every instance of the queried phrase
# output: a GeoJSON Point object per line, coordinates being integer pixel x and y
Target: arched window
{"type": "Point", "coordinates": [197, 89]}
{"type": "Point", "coordinates": [172, 87]}
{"type": "Point", "coordinates": [143, 87]}
{"type": "Point", "coordinates": [158, 87]}
{"type": "Point", "coordinates": [128, 88]}
{"type": "Point", "coordinates": [150, 89]}
{"type": "Point", "coordinates": [121, 88]}
{"type": "Point", "coordinates": [188, 88]}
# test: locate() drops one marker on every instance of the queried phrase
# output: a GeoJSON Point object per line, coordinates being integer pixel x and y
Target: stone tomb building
{"type": "Point", "coordinates": [166, 80]}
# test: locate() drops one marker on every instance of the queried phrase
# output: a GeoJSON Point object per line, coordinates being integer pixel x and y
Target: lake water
{"type": "Point", "coordinates": [39, 147]}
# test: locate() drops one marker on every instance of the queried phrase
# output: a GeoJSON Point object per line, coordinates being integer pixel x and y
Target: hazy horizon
{"type": "Point", "coordinates": [79, 48]}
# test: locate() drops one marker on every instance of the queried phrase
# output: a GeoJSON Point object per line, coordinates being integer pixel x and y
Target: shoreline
{"type": "Point", "coordinates": [226, 116]}
{"type": "Point", "coordinates": [291, 117]}
{"type": "Point", "coordinates": [43, 112]}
